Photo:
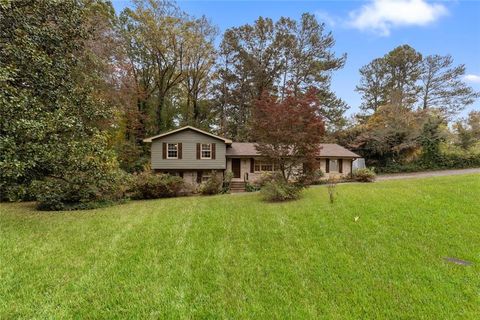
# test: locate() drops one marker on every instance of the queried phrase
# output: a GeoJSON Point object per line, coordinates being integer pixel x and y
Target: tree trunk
{"type": "Point", "coordinates": [158, 113]}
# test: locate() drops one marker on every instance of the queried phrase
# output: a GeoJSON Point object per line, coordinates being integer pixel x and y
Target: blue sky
{"type": "Point", "coordinates": [366, 30]}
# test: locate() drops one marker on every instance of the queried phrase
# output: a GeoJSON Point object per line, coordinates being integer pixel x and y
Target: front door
{"type": "Point", "coordinates": [236, 168]}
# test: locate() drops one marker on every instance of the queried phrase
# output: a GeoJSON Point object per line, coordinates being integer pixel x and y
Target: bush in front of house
{"type": "Point", "coordinates": [278, 190]}
{"type": "Point", "coordinates": [212, 186]}
{"type": "Point", "coordinates": [264, 178]}
{"type": "Point", "coordinates": [148, 185]}
{"type": "Point", "coordinates": [80, 191]}
{"type": "Point", "coordinates": [311, 178]}
{"type": "Point", "coordinates": [364, 175]}
{"type": "Point", "coordinates": [251, 187]}
{"type": "Point", "coordinates": [227, 180]}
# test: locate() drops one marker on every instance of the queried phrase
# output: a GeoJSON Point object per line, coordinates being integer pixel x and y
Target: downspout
{"type": "Point", "coordinates": [351, 168]}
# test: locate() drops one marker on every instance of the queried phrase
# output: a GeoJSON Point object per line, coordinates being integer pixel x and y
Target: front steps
{"type": "Point", "coordinates": [237, 186]}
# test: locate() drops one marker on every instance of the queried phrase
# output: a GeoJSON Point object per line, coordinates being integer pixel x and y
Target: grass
{"type": "Point", "coordinates": [233, 256]}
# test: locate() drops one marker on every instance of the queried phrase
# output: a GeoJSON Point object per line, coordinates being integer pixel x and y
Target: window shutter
{"type": "Point", "coordinates": [327, 165]}
{"type": "Point", "coordinates": [213, 151]}
{"type": "Point", "coordinates": [179, 150]}
{"type": "Point", "coordinates": [340, 165]}
{"type": "Point", "coordinates": [164, 150]}
{"type": "Point", "coordinates": [198, 151]}
{"type": "Point", "coordinates": [252, 165]}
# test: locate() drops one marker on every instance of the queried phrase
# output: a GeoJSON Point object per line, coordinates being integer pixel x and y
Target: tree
{"type": "Point", "coordinates": [270, 57]}
{"type": "Point", "coordinates": [308, 60]}
{"type": "Point", "coordinates": [50, 108]}
{"type": "Point", "coordinates": [288, 131]}
{"type": "Point", "coordinates": [373, 83]}
{"type": "Point", "coordinates": [252, 64]}
{"type": "Point", "coordinates": [432, 135]}
{"type": "Point", "coordinates": [403, 66]}
{"type": "Point", "coordinates": [402, 77]}
{"type": "Point", "coordinates": [391, 79]}
{"type": "Point", "coordinates": [170, 59]}
{"type": "Point", "coordinates": [199, 66]}
{"type": "Point", "coordinates": [390, 135]}
{"type": "Point", "coordinates": [468, 130]}
{"type": "Point", "coordinates": [137, 79]}
{"type": "Point", "coordinates": [442, 87]}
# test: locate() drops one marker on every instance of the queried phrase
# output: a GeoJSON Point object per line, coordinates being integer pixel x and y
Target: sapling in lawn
{"type": "Point", "coordinates": [331, 186]}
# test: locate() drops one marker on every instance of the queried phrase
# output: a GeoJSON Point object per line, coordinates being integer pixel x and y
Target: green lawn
{"type": "Point", "coordinates": [233, 256]}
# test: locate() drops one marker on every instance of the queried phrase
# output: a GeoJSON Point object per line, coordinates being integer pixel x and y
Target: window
{"type": "Point", "coordinates": [333, 165]}
{"type": "Point", "coordinates": [206, 176]}
{"type": "Point", "coordinates": [263, 166]}
{"type": "Point", "coordinates": [172, 151]}
{"type": "Point", "coordinates": [203, 176]}
{"type": "Point", "coordinates": [206, 151]}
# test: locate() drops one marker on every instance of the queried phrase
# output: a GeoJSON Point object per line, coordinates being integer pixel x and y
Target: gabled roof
{"type": "Point", "coordinates": [327, 150]}
{"type": "Point", "coordinates": [150, 139]}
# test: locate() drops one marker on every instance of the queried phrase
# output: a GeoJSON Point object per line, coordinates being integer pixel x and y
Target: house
{"type": "Point", "coordinates": [195, 155]}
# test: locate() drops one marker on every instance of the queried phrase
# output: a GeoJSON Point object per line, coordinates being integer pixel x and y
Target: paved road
{"type": "Point", "coordinates": [427, 174]}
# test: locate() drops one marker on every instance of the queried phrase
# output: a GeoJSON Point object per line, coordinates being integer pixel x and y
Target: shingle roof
{"type": "Point", "coordinates": [335, 150]}
{"type": "Point", "coordinates": [242, 149]}
{"type": "Point", "coordinates": [150, 139]}
{"type": "Point", "coordinates": [326, 150]}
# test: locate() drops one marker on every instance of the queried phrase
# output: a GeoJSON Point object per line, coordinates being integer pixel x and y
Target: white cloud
{"type": "Point", "coordinates": [380, 16]}
{"type": "Point", "coordinates": [472, 78]}
{"type": "Point", "coordinates": [326, 17]}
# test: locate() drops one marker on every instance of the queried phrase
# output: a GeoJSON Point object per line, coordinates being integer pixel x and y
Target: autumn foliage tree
{"type": "Point", "coordinates": [288, 131]}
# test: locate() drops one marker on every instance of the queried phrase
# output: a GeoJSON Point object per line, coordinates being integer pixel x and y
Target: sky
{"type": "Point", "coordinates": [366, 30]}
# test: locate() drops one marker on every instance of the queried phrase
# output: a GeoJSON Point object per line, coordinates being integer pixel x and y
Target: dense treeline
{"type": "Point", "coordinates": [408, 104]}
{"type": "Point", "coordinates": [82, 85]}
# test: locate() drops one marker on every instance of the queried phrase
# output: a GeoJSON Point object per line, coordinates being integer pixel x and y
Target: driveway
{"type": "Point", "coordinates": [427, 174]}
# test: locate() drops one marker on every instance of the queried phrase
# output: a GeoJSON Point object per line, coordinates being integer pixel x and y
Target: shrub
{"type": "Point", "coordinates": [312, 177]}
{"type": "Point", "coordinates": [212, 186]}
{"type": "Point", "coordinates": [251, 187]}
{"type": "Point", "coordinates": [227, 180]}
{"type": "Point", "coordinates": [278, 190]}
{"type": "Point", "coordinates": [131, 157]}
{"type": "Point", "coordinates": [265, 178]}
{"type": "Point", "coordinates": [148, 185]}
{"type": "Point", "coordinates": [16, 192]}
{"type": "Point", "coordinates": [364, 175]}
{"type": "Point", "coordinates": [86, 176]}
{"type": "Point", "coordinates": [83, 190]}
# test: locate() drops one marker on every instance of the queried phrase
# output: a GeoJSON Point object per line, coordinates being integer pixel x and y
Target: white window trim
{"type": "Point", "coordinates": [176, 147]}
{"type": "Point", "coordinates": [206, 177]}
{"type": "Point", "coordinates": [259, 163]}
{"type": "Point", "coordinates": [209, 149]}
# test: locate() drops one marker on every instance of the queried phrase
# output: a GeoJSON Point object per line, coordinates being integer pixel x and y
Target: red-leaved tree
{"type": "Point", "coordinates": [288, 131]}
